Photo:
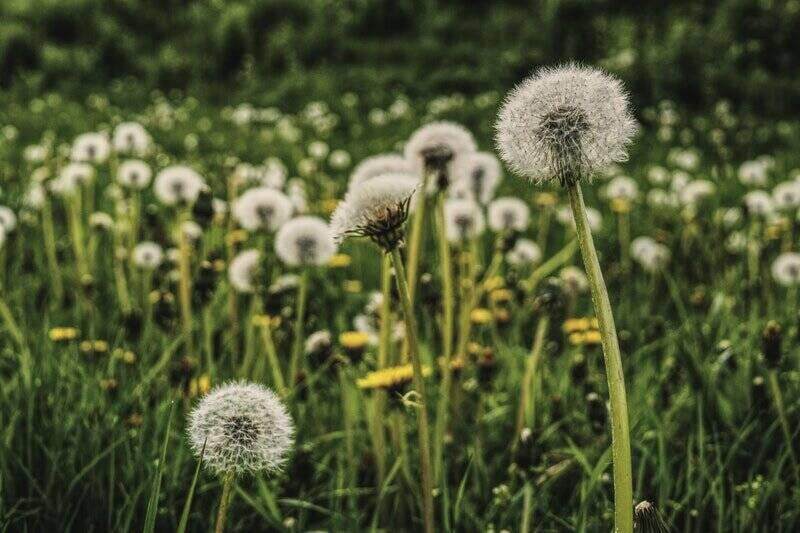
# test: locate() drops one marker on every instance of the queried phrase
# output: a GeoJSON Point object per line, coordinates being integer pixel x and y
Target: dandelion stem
{"type": "Point", "coordinates": [272, 358]}
{"type": "Point", "coordinates": [777, 397]}
{"type": "Point", "coordinates": [527, 508]}
{"type": "Point", "coordinates": [620, 437]}
{"type": "Point", "coordinates": [552, 264]}
{"type": "Point", "coordinates": [447, 340]}
{"type": "Point", "coordinates": [185, 287]}
{"type": "Point", "coordinates": [527, 391]}
{"type": "Point", "coordinates": [50, 250]}
{"type": "Point", "coordinates": [297, 347]}
{"type": "Point", "coordinates": [415, 238]}
{"type": "Point", "coordinates": [419, 385]}
{"type": "Point", "coordinates": [224, 502]}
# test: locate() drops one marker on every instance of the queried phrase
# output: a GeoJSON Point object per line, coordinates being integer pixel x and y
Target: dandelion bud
{"type": "Point", "coordinates": [647, 519]}
{"type": "Point", "coordinates": [771, 340]}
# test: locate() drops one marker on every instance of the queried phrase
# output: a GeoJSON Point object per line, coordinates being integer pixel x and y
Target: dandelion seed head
{"type": "Point", "coordinates": [178, 184]}
{"type": "Point", "coordinates": [758, 203]}
{"type": "Point", "coordinates": [71, 177]}
{"type": "Point", "coordinates": [621, 188]}
{"type": "Point", "coordinates": [262, 208]}
{"type": "Point", "coordinates": [377, 209]}
{"type": "Point", "coordinates": [101, 220]}
{"type": "Point", "coordinates": [593, 216]}
{"type": "Point", "coordinates": [305, 241]}
{"type": "Point", "coordinates": [574, 279]}
{"type": "Point", "coordinates": [132, 138]}
{"type": "Point", "coordinates": [524, 253]}
{"type": "Point", "coordinates": [565, 123]}
{"type": "Point", "coordinates": [508, 214]}
{"type": "Point", "coordinates": [786, 269]}
{"type": "Point", "coordinates": [463, 220]}
{"type": "Point", "coordinates": [148, 255]}
{"type": "Point", "coordinates": [243, 270]}
{"type": "Point", "coordinates": [477, 174]}
{"type": "Point", "coordinates": [242, 428]}
{"type": "Point", "coordinates": [695, 191]}
{"type": "Point", "coordinates": [8, 220]}
{"type": "Point", "coordinates": [437, 146]}
{"type": "Point", "coordinates": [90, 148]}
{"type": "Point", "coordinates": [754, 173]}
{"type": "Point", "coordinates": [650, 255]}
{"type": "Point", "coordinates": [786, 195]}
{"type": "Point", "coordinates": [378, 165]}
{"type": "Point", "coordinates": [134, 174]}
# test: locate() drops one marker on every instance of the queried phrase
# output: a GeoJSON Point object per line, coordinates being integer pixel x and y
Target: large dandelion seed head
{"type": "Point", "coordinates": [243, 271]}
{"type": "Point", "coordinates": [147, 255]}
{"type": "Point", "coordinates": [565, 123]}
{"type": "Point", "coordinates": [436, 147]}
{"type": "Point", "coordinates": [131, 138]}
{"type": "Point", "coordinates": [90, 148]}
{"type": "Point", "coordinates": [241, 428]}
{"type": "Point", "coordinates": [305, 241]}
{"type": "Point", "coordinates": [476, 175]}
{"type": "Point", "coordinates": [463, 220]}
{"type": "Point", "coordinates": [178, 184]}
{"type": "Point", "coordinates": [378, 165]}
{"type": "Point", "coordinates": [508, 214]}
{"type": "Point", "coordinates": [134, 174]}
{"type": "Point", "coordinates": [377, 209]}
{"type": "Point", "coordinates": [262, 208]}
{"type": "Point", "coordinates": [786, 269]}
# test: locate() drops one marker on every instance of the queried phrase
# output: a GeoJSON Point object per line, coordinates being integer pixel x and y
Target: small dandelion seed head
{"type": "Point", "coordinates": [148, 255]}
{"type": "Point", "coordinates": [477, 174]}
{"type": "Point", "coordinates": [305, 241]}
{"type": "Point", "coordinates": [758, 203]}
{"type": "Point", "coordinates": [436, 147]}
{"type": "Point", "coordinates": [8, 220]}
{"type": "Point", "coordinates": [101, 221]}
{"type": "Point", "coordinates": [650, 255]}
{"type": "Point", "coordinates": [131, 138]}
{"type": "Point", "coordinates": [565, 123]}
{"type": "Point", "coordinates": [786, 269]}
{"type": "Point", "coordinates": [696, 191]}
{"type": "Point", "coordinates": [463, 220]}
{"type": "Point", "coordinates": [378, 165]}
{"type": "Point", "coordinates": [786, 195]}
{"type": "Point", "coordinates": [134, 174]}
{"type": "Point", "coordinates": [621, 188]}
{"type": "Point", "coordinates": [262, 208]}
{"type": "Point", "coordinates": [71, 177]}
{"type": "Point", "coordinates": [524, 253]}
{"type": "Point", "coordinates": [508, 214]}
{"type": "Point", "coordinates": [178, 184]}
{"type": "Point", "coordinates": [90, 148]}
{"type": "Point", "coordinates": [377, 209]}
{"type": "Point", "coordinates": [241, 428]}
{"type": "Point", "coordinates": [243, 270]}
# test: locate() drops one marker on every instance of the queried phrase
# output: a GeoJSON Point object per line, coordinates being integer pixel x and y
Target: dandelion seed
{"type": "Point", "coordinates": [564, 124]}
{"type": "Point", "coordinates": [241, 428]}
{"type": "Point", "coordinates": [178, 185]}
{"type": "Point", "coordinates": [305, 241]}
{"type": "Point", "coordinates": [134, 174]}
{"type": "Point", "coordinates": [262, 208]}
{"type": "Point", "coordinates": [463, 220]}
{"type": "Point", "coordinates": [508, 214]}
{"type": "Point", "coordinates": [243, 270]}
{"type": "Point", "coordinates": [148, 255]}
{"type": "Point", "coordinates": [377, 209]}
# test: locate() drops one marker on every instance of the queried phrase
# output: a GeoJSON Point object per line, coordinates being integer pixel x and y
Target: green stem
{"type": "Point", "coordinates": [419, 385]}
{"type": "Point", "coordinates": [415, 238]}
{"type": "Point", "coordinates": [447, 340]}
{"type": "Point", "coordinates": [620, 437]}
{"type": "Point", "coordinates": [527, 391]}
{"type": "Point", "coordinates": [224, 502]}
{"type": "Point", "coordinates": [551, 265]}
{"type": "Point", "coordinates": [50, 251]}
{"type": "Point", "coordinates": [297, 346]}
{"type": "Point", "coordinates": [527, 508]}
{"type": "Point", "coordinates": [272, 358]}
{"type": "Point", "coordinates": [781, 409]}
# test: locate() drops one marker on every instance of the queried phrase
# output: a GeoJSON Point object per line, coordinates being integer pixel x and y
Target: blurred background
{"type": "Point", "coordinates": [288, 52]}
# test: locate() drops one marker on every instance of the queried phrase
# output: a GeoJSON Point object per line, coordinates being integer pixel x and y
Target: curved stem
{"type": "Point", "coordinates": [620, 438]}
{"type": "Point", "coordinates": [419, 385]}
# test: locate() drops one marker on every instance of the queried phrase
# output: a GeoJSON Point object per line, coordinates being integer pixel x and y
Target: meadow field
{"type": "Point", "coordinates": [244, 288]}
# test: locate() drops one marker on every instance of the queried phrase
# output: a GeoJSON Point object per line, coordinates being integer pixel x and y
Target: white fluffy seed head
{"type": "Point", "coordinates": [131, 138]}
{"type": "Point", "coordinates": [71, 177]}
{"type": "Point", "coordinates": [786, 195]}
{"type": "Point", "coordinates": [463, 220]}
{"type": "Point", "coordinates": [243, 270]}
{"type": "Point", "coordinates": [508, 214]}
{"type": "Point", "coordinates": [574, 279]}
{"type": "Point", "coordinates": [134, 174]}
{"type": "Point", "coordinates": [8, 220]}
{"type": "Point", "coordinates": [478, 174]}
{"type": "Point", "coordinates": [593, 216]}
{"type": "Point", "coordinates": [378, 209]}
{"type": "Point", "coordinates": [178, 184]}
{"type": "Point", "coordinates": [262, 208]}
{"type": "Point", "coordinates": [443, 142]}
{"type": "Point", "coordinates": [241, 428]}
{"type": "Point", "coordinates": [378, 165]}
{"type": "Point", "coordinates": [696, 191]}
{"type": "Point", "coordinates": [148, 255]}
{"type": "Point", "coordinates": [90, 148]}
{"type": "Point", "coordinates": [650, 255]}
{"type": "Point", "coordinates": [565, 123]}
{"type": "Point", "coordinates": [754, 173]}
{"type": "Point", "coordinates": [758, 203]}
{"type": "Point", "coordinates": [305, 241]}
{"type": "Point", "coordinates": [524, 253]}
{"type": "Point", "coordinates": [621, 188]}
{"type": "Point", "coordinates": [786, 269]}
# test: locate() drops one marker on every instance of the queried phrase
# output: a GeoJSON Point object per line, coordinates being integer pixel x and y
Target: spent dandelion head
{"type": "Point", "coordinates": [786, 269]}
{"type": "Point", "coordinates": [134, 174]}
{"type": "Point", "coordinates": [131, 138]}
{"type": "Point", "coordinates": [243, 271]}
{"type": "Point", "coordinates": [378, 165]}
{"type": "Point", "coordinates": [508, 214]}
{"type": "Point", "coordinates": [305, 241]}
{"type": "Point", "coordinates": [241, 428]}
{"type": "Point", "coordinates": [435, 147]}
{"type": "Point", "coordinates": [463, 220]}
{"type": "Point", "coordinates": [262, 208]}
{"type": "Point", "coordinates": [477, 174]}
{"type": "Point", "coordinates": [90, 148]}
{"type": "Point", "coordinates": [524, 253]}
{"type": "Point", "coordinates": [178, 185]}
{"type": "Point", "coordinates": [565, 123]}
{"type": "Point", "coordinates": [376, 209]}
{"type": "Point", "coordinates": [148, 255]}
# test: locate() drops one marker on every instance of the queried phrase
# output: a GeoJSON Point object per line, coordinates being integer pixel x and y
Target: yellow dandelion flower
{"type": "Point", "coordinates": [620, 206]}
{"type": "Point", "coordinates": [592, 337]}
{"type": "Point", "coordinates": [494, 283]}
{"type": "Point", "coordinates": [480, 316]}
{"type": "Point", "coordinates": [353, 340]}
{"type": "Point", "coordinates": [204, 384]}
{"type": "Point", "coordinates": [218, 265]}
{"type": "Point", "coordinates": [577, 338]}
{"type": "Point", "coordinates": [773, 232]}
{"type": "Point", "coordinates": [329, 206]}
{"type": "Point", "coordinates": [353, 286]}
{"type": "Point", "coordinates": [389, 378]}
{"type": "Point", "coordinates": [340, 261]}
{"type": "Point", "coordinates": [236, 236]}
{"type": "Point", "coordinates": [128, 357]}
{"type": "Point", "coordinates": [501, 295]}
{"type": "Point", "coordinates": [265, 321]}
{"type": "Point", "coordinates": [545, 199]}
{"type": "Point", "coordinates": [63, 334]}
